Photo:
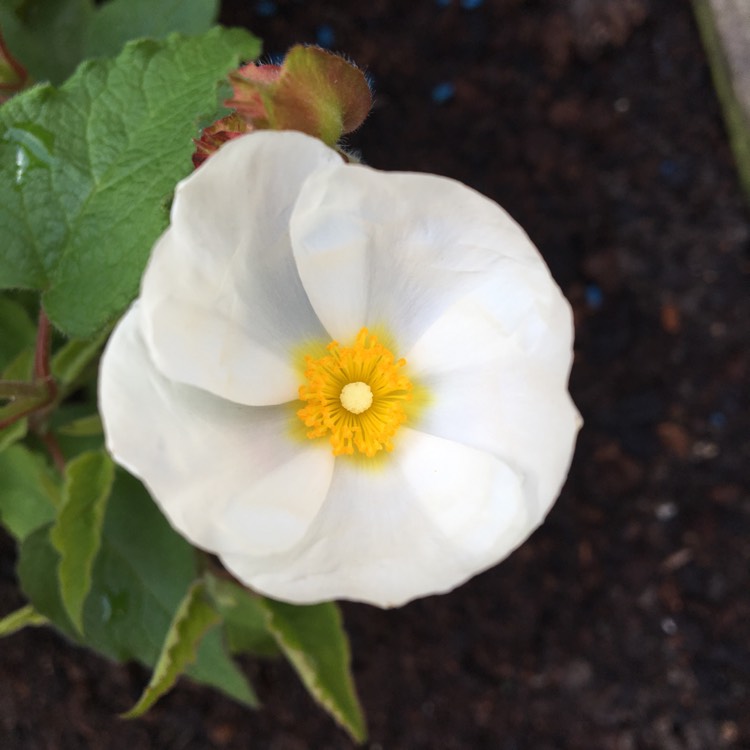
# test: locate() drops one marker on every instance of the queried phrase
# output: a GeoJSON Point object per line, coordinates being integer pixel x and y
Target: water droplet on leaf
{"type": "Point", "coordinates": [106, 609]}
{"type": "Point", "coordinates": [34, 148]}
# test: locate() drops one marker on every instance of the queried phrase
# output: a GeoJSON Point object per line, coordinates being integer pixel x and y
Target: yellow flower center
{"type": "Point", "coordinates": [355, 395]}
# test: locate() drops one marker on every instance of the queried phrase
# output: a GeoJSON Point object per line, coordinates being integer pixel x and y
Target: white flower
{"type": "Point", "coordinates": [218, 391]}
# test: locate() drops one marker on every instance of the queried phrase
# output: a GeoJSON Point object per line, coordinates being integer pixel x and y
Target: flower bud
{"type": "Point", "coordinates": [248, 82]}
{"type": "Point", "coordinates": [313, 91]}
{"type": "Point", "coordinates": [214, 136]}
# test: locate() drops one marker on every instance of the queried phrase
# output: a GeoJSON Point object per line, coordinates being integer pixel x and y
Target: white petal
{"type": "Point", "coordinates": [496, 368]}
{"type": "Point", "coordinates": [423, 522]}
{"type": "Point", "coordinates": [518, 311]}
{"type": "Point", "coordinates": [475, 500]}
{"type": "Point", "coordinates": [393, 250]}
{"type": "Point", "coordinates": [228, 477]}
{"type": "Point", "coordinates": [224, 307]}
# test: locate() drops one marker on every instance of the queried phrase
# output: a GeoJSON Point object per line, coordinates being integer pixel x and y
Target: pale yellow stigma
{"type": "Point", "coordinates": [355, 395]}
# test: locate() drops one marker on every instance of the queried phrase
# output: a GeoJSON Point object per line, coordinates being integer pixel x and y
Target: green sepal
{"type": "Point", "coordinates": [318, 93]}
{"type": "Point", "coordinates": [313, 91]}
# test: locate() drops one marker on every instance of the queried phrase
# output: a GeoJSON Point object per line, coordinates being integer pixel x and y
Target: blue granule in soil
{"type": "Point", "coordinates": [471, 4]}
{"type": "Point", "coordinates": [668, 168]}
{"type": "Point", "coordinates": [718, 420]}
{"type": "Point", "coordinates": [594, 296]}
{"type": "Point", "coordinates": [443, 92]}
{"type": "Point", "coordinates": [677, 172]}
{"type": "Point", "coordinates": [325, 35]}
{"type": "Point", "coordinates": [266, 8]}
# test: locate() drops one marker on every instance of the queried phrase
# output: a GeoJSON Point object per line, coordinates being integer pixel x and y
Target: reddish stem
{"type": "Point", "coordinates": [43, 373]}
{"type": "Point", "coordinates": [21, 73]}
{"type": "Point", "coordinates": [18, 69]}
{"type": "Point", "coordinates": [43, 346]}
{"type": "Point", "coordinates": [51, 444]}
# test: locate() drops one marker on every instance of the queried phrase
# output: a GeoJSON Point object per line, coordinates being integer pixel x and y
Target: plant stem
{"type": "Point", "coordinates": [51, 444]}
{"type": "Point", "coordinates": [43, 347]}
{"type": "Point", "coordinates": [14, 389]}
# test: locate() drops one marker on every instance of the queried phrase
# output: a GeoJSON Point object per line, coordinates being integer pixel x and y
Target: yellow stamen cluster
{"type": "Point", "coordinates": [356, 395]}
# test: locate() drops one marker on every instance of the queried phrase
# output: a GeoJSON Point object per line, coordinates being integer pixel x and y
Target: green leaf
{"type": "Point", "coordinates": [20, 619]}
{"type": "Point", "coordinates": [51, 37]}
{"type": "Point", "coordinates": [245, 618]}
{"type": "Point", "coordinates": [46, 35]}
{"type": "Point", "coordinates": [314, 641]}
{"type": "Point", "coordinates": [216, 668]}
{"type": "Point", "coordinates": [90, 426]}
{"type": "Point", "coordinates": [18, 369]}
{"type": "Point", "coordinates": [76, 534]}
{"type": "Point", "coordinates": [82, 435]}
{"type": "Point", "coordinates": [17, 332]}
{"type": "Point", "coordinates": [194, 618]}
{"type": "Point", "coordinates": [37, 558]}
{"type": "Point", "coordinates": [13, 433]}
{"type": "Point", "coordinates": [22, 367]}
{"type": "Point", "coordinates": [118, 21]}
{"type": "Point", "coordinates": [140, 576]}
{"type": "Point", "coordinates": [28, 492]}
{"type": "Point", "coordinates": [75, 355]}
{"type": "Point", "coordinates": [86, 171]}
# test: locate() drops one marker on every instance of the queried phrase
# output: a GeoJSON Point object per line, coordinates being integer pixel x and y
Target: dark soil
{"type": "Point", "coordinates": [623, 623]}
